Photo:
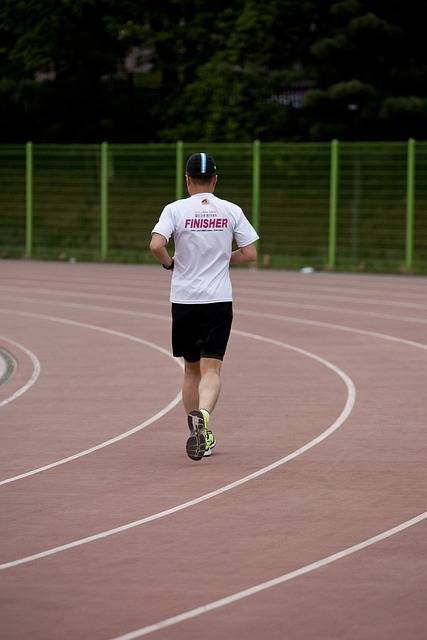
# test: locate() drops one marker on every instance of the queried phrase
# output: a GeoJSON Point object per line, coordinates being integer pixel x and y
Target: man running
{"type": "Point", "coordinates": [203, 227]}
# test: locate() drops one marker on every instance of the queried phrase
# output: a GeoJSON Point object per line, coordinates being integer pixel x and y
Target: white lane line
{"type": "Point", "coordinates": [238, 289]}
{"type": "Point", "coordinates": [311, 294]}
{"type": "Point", "coordinates": [264, 301]}
{"type": "Point", "coordinates": [119, 437]}
{"type": "Point", "coordinates": [307, 286]}
{"type": "Point", "coordinates": [167, 512]}
{"type": "Point", "coordinates": [94, 307]}
{"type": "Point", "coordinates": [330, 325]}
{"type": "Point", "coordinates": [319, 307]}
{"type": "Point", "coordinates": [283, 279]}
{"type": "Point", "coordinates": [83, 294]}
{"type": "Point", "coordinates": [34, 376]}
{"type": "Point", "coordinates": [106, 443]}
{"type": "Point", "coordinates": [351, 397]}
{"type": "Point", "coordinates": [256, 314]}
{"type": "Point", "coordinates": [263, 586]}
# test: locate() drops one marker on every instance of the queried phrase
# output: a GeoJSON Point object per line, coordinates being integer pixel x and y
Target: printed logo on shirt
{"type": "Point", "coordinates": [205, 220]}
{"type": "Point", "coordinates": [206, 223]}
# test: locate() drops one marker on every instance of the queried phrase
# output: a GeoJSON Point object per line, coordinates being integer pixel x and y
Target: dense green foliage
{"type": "Point", "coordinates": [231, 71]}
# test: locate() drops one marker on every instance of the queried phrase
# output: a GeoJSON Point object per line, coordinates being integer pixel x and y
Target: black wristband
{"type": "Point", "coordinates": [170, 267]}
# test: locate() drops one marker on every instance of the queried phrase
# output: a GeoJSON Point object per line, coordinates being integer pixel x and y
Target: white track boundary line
{"type": "Point", "coordinates": [310, 294]}
{"type": "Point", "coordinates": [263, 586]}
{"type": "Point", "coordinates": [117, 438]}
{"type": "Point", "coordinates": [351, 397]}
{"type": "Point", "coordinates": [271, 316]}
{"type": "Point", "coordinates": [319, 307]}
{"type": "Point", "coordinates": [330, 325]}
{"type": "Point", "coordinates": [256, 314]}
{"type": "Point", "coordinates": [83, 294]}
{"type": "Point", "coordinates": [303, 287]}
{"type": "Point", "coordinates": [34, 376]}
{"type": "Point", "coordinates": [167, 512]}
{"type": "Point", "coordinates": [93, 307]}
{"type": "Point", "coordinates": [280, 303]}
{"type": "Point", "coordinates": [276, 278]}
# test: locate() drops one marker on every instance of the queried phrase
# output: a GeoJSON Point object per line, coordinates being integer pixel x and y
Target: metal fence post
{"type": "Point", "coordinates": [29, 200]}
{"type": "Point", "coordinates": [333, 200]}
{"type": "Point", "coordinates": [179, 188]}
{"type": "Point", "coordinates": [410, 188]}
{"type": "Point", "coordinates": [256, 184]}
{"type": "Point", "coordinates": [104, 200]}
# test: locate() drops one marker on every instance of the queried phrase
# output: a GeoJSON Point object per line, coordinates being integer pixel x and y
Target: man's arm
{"type": "Point", "coordinates": [159, 251]}
{"type": "Point", "coordinates": [244, 254]}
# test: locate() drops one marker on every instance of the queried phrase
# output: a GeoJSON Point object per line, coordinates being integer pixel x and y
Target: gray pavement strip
{"type": "Point", "coordinates": [7, 367]}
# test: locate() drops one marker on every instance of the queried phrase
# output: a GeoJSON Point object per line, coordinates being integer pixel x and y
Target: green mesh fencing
{"type": "Point", "coordinates": [371, 205]}
{"type": "Point", "coordinates": [12, 200]}
{"type": "Point", "coordinates": [88, 204]}
{"type": "Point", "coordinates": [294, 204]}
{"type": "Point", "coordinates": [420, 208]}
{"type": "Point", "coordinates": [141, 180]}
{"type": "Point", "coordinates": [66, 201]}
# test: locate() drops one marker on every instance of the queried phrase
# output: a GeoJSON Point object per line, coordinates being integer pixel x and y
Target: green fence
{"type": "Point", "coordinates": [326, 205]}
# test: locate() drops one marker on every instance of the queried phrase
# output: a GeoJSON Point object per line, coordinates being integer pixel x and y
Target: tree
{"type": "Point", "coordinates": [354, 69]}
{"type": "Point", "coordinates": [72, 43]}
{"type": "Point", "coordinates": [235, 94]}
{"type": "Point", "coordinates": [366, 55]}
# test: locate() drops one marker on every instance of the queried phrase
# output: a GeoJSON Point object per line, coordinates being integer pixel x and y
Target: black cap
{"type": "Point", "coordinates": [200, 164]}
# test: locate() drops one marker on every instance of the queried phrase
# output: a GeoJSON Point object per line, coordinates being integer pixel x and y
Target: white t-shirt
{"type": "Point", "coordinates": [203, 227]}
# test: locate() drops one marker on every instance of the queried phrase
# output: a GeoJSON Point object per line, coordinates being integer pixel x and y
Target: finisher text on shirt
{"type": "Point", "coordinates": [213, 223]}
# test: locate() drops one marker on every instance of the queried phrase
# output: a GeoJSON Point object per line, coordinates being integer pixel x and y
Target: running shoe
{"type": "Point", "coordinates": [196, 443]}
{"type": "Point", "coordinates": [210, 444]}
{"type": "Point", "coordinates": [210, 438]}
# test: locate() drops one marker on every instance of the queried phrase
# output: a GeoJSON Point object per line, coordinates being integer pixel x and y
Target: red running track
{"type": "Point", "coordinates": [308, 522]}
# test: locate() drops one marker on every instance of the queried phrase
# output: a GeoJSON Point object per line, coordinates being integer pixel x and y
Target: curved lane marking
{"type": "Point", "coordinates": [351, 397]}
{"type": "Point", "coordinates": [316, 323]}
{"type": "Point", "coordinates": [119, 437]}
{"type": "Point", "coordinates": [34, 376]}
{"type": "Point", "coordinates": [268, 301]}
{"type": "Point", "coordinates": [319, 307]}
{"type": "Point", "coordinates": [331, 325]}
{"type": "Point", "coordinates": [257, 314]}
{"type": "Point", "coordinates": [190, 503]}
{"type": "Point", "coordinates": [310, 294]}
{"type": "Point", "coordinates": [269, 286]}
{"type": "Point", "coordinates": [301, 287]}
{"type": "Point", "coordinates": [241, 290]}
{"type": "Point", "coordinates": [240, 595]}
{"type": "Point", "coordinates": [94, 307]}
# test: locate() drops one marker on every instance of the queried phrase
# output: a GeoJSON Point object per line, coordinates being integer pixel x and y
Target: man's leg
{"type": "Point", "coordinates": [190, 387]}
{"type": "Point", "coordinates": [210, 384]}
{"type": "Point", "coordinates": [202, 441]}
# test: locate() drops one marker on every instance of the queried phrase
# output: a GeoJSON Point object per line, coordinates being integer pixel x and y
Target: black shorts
{"type": "Point", "coordinates": [201, 330]}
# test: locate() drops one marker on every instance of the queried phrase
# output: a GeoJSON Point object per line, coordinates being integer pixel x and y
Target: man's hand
{"type": "Point", "coordinates": [169, 267]}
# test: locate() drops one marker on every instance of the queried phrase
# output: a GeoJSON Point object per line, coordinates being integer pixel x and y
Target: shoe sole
{"type": "Point", "coordinates": [196, 443]}
{"type": "Point", "coordinates": [196, 447]}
